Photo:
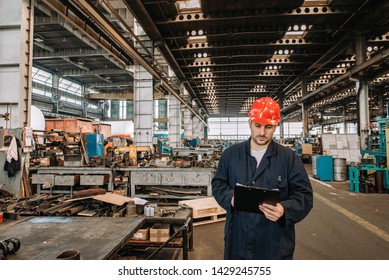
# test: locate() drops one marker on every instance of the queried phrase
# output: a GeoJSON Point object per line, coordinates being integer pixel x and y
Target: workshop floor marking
{"type": "Point", "coordinates": [372, 228]}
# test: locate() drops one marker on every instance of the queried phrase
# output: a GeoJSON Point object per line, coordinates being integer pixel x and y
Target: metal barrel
{"type": "Point", "coordinates": [379, 181]}
{"type": "Point", "coordinates": [340, 169]}
{"type": "Point", "coordinates": [314, 170]}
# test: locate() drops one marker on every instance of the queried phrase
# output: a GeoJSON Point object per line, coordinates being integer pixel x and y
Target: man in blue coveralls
{"type": "Point", "coordinates": [260, 161]}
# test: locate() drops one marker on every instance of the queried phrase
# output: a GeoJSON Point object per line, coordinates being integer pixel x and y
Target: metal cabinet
{"type": "Point", "coordinates": [325, 168]}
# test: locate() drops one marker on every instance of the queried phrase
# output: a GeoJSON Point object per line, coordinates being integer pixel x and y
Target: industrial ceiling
{"type": "Point", "coordinates": [226, 53]}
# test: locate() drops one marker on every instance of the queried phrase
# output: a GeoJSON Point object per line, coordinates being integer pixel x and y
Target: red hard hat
{"type": "Point", "coordinates": [265, 110]}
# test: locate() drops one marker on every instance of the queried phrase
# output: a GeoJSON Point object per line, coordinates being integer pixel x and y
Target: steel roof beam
{"type": "Point", "coordinates": [355, 70]}
{"type": "Point", "coordinates": [213, 33]}
{"type": "Point", "coordinates": [75, 52]}
{"type": "Point", "coordinates": [79, 73]}
{"type": "Point", "coordinates": [256, 14]}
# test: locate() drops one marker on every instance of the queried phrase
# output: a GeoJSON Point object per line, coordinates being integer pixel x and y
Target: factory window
{"type": "Point", "coordinates": [42, 92]}
{"type": "Point", "coordinates": [41, 77]}
{"type": "Point", "coordinates": [123, 109]}
{"type": "Point", "coordinates": [68, 86]}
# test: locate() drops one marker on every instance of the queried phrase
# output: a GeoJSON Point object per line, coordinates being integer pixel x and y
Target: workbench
{"type": "Point", "coordinates": [44, 238]}
{"type": "Point", "coordinates": [169, 177]}
{"type": "Point", "coordinates": [97, 238]}
{"type": "Point", "coordinates": [182, 221]}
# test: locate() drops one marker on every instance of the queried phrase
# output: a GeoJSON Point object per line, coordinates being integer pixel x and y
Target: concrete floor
{"type": "Point", "coordinates": [342, 226]}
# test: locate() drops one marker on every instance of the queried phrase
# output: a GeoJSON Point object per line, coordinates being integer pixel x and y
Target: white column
{"type": "Point", "coordinates": [174, 121]}
{"type": "Point", "coordinates": [304, 108]}
{"type": "Point", "coordinates": [344, 119]}
{"type": "Point", "coordinates": [196, 131]}
{"type": "Point", "coordinates": [16, 38]}
{"type": "Point", "coordinates": [188, 124]}
{"type": "Point", "coordinates": [363, 90]}
{"type": "Point", "coordinates": [143, 107]}
{"type": "Point", "coordinates": [143, 98]}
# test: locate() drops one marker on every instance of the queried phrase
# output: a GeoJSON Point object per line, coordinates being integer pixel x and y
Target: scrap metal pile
{"type": "Point", "coordinates": [83, 203]}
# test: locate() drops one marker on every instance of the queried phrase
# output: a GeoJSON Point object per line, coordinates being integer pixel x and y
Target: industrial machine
{"type": "Point", "coordinates": [377, 143]}
{"type": "Point", "coordinates": [163, 146]}
{"type": "Point", "coordinates": [94, 144]}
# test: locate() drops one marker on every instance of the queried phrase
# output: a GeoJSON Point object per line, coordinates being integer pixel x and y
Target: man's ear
{"type": "Point", "coordinates": [249, 122]}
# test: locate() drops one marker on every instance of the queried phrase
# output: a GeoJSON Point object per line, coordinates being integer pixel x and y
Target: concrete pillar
{"type": "Point", "coordinates": [174, 121]}
{"type": "Point", "coordinates": [55, 95]}
{"type": "Point", "coordinates": [16, 40]}
{"type": "Point", "coordinates": [84, 104]}
{"type": "Point", "coordinates": [195, 122]}
{"type": "Point", "coordinates": [143, 107]}
{"type": "Point", "coordinates": [201, 130]}
{"type": "Point", "coordinates": [344, 119]}
{"type": "Point", "coordinates": [143, 97]}
{"type": "Point", "coordinates": [188, 124]}
{"type": "Point", "coordinates": [206, 129]}
{"type": "Point", "coordinates": [304, 109]}
{"type": "Point", "coordinates": [363, 92]}
{"type": "Point", "coordinates": [281, 124]}
{"type": "Point", "coordinates": [196, 128]}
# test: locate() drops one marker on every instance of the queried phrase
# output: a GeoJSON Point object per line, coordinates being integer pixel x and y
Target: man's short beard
{"type": "Point", "coordinates": [261, 144]}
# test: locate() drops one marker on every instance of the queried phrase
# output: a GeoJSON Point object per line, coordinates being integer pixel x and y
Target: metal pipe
{"type": "Point", "coordinates": [53, 208]}
{"type": "Point", "coordinates": [75, 210]}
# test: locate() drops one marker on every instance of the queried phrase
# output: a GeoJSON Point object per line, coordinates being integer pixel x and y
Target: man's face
{"type": "Point", "coordinates": [261, 134]}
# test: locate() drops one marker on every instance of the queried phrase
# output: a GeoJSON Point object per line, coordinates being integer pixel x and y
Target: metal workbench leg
{"type": "Point", "coordinates": [185, 244]}
{"type": "Point", "coordinates": [191, 235]}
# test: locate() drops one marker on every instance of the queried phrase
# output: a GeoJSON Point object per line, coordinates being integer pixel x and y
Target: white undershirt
{"type": "Point", "coordinates": [258, 155]}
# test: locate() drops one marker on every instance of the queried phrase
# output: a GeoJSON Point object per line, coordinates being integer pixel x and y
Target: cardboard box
{"type": "Point", "coordinates": [306, 149]}
{"type": "Point", "coordinates": [159, 232]}
{"type": "Point", "coordinates": [141, 234]}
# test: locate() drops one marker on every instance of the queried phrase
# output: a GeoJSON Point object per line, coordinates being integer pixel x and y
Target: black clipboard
{"type": "Point", "coordinates": [248, 198]}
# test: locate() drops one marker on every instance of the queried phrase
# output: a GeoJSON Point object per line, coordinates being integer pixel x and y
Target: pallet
{"type": "Point", "coordinates": [203, 207]}
{"type": "Point", "coordinates": [205, 210]}
{"type": "Point", "coordinates": [209, 219]}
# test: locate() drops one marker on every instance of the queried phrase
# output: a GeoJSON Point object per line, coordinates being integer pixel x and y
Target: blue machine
{"type": "Point", "coordinates": [298, 148]}
{"type": "Point", "coordinates": [379, 154]}
{"type": "Point", "coordinates": [194, 143]}
{"type": "Point", "coordinates": [94, 145]}
{"type": "Point", "coordinates": [163, 147]}
{"type": "Point", "coordinates": [325, 168]}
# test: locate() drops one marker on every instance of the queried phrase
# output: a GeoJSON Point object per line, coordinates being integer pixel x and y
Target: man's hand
{"type": "Point", "coordinates": [232, 201]}
{"type": "Point", "coordinates": [273, 213]}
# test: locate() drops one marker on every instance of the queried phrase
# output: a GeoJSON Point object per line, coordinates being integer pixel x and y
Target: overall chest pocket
{"type": "Point", "coordinates": [275, 181]}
